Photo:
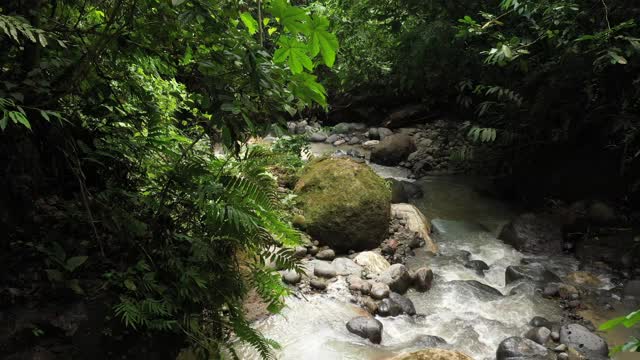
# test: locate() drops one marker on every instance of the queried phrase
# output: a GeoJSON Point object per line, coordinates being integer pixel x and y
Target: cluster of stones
{"type": "Point", "coordinates": [380, 290]}
{"type": "Point", "coordinates": [547, 340]}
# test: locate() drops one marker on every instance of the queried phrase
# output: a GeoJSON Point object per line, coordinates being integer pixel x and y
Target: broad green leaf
{"type": "Point", "coordinates": [322, 41]}
{"type": "Point", "coordinates": [292, 18]}
{"type": "Point", "coordinates": [249, 22]}
{"type": "Point", "coordinates": [294, 53]}
{"type": "Point", "coordinates": [74, 262]}
{"type": "Point", "coordinates": [306, 87]}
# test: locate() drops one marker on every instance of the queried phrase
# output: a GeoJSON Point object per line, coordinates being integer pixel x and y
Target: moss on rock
{"type": "Point", "coordinates": [346, 205]}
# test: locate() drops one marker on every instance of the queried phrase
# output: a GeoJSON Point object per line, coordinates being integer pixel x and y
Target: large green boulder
{"type": "Point", "coordinates": [346, 205]}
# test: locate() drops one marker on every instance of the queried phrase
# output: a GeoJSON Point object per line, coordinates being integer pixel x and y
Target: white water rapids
{"type": "Point", "coordinates": [470, 319]}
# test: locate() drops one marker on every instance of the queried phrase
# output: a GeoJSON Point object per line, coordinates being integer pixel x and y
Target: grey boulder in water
{"type": "Point", "coordinates": [366, 327]}
{"type": "Point", "coordinates": [533, 272]}
{"type": "Point", "coordinates": [397, 277]}
{"type": "Point", "coordinates": [517, 348]}
{"type": "Point", "coordinates": [584, 341]}
{"type": "Point", "coordinates": [533, 233]}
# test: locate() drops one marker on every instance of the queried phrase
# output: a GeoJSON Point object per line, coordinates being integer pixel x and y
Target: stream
{"type": "Point", "coordinates": [470, 318]}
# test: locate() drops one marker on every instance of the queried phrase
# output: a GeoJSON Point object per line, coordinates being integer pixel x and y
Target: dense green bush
{"type": "Point", "coordinates": [127, 120]}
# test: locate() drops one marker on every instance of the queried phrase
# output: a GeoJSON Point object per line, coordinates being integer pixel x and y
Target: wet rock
{"type": "Point", "coordinates": [479, 288]}
{"type": "Point", "coordinates": [358, 284]}
{"type": "Point", "coordinates": [534, 272]}
{"type": "Point", "coordinates": [422, 279]}
{"type": "Point", "coordinates": [478, 265]}
{"type": "Point", "coordinates": [300, 252]}
{"type": "Point", "coordinates": [379, 291]}
{"type": "Point", "coordinates": [373, 263]}
{"type": "Point", "coordinates": [339, 142]}
{"type": "Point", "coordinates": [313, 250]}
{"type": "Point", "coordinates": [353, 141]}
{"type": "Point", "coordinates": [584, 341]}
{"type": "Point", "coordinates": [583, 278]}
{"type": "Point", "coordinates": [416, 222]}
{"type": "Point", "coordinates": [370, 304]}
{"type": "Point", "coordinates": [291, 277]}
{"type": "Point", "coordinates": [551, 290]}
{"type": "Point", "coordinates": [388, 307]}
{"type": "Point", "coordinates": [397, 278]}
{"type": "Point", "coordinates": [555, 336]}
{"type": "Point", "coordinates": [323, 269]}
{"type": "Point", "coordinates": [517, 348]}
{"type": "Point", "coordinates": [392, 150]}
{"type": "Point", "coordinates": [533, 233]}
{"type": "Point", "coordinates": [366, 327]}
{"type": "Point", "coordinates": [560, 348]}
{"type": "Point", "coordinates": [318, 284]}
{"type": "Point", "coordinates": [405, 303]}
{"type": "Point", "coordinates": [539, 321]}
{"type": "Point", "coordinates": [326, 254]}
{"type": "Point", "coordinates": [433, 354]}
{"type": "Point", "coordinates": [318, 137]}
{"type": "Point", "coordinates": [563, 356]}
{"type": "Point", "coordinates": [539, 334]}
{"type": "Point", "coordinates": [331, 139]}
{"type": "Point", "coordinates": [346, 266]}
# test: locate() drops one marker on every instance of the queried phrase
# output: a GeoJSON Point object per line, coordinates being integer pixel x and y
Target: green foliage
{"type": "Point", "coordinates": [628, 321]}
{"type": "Point", "coordinates": [155, 101]}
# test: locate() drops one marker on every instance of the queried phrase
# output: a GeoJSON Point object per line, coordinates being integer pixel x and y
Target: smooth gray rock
{"type": "Point", "coordinates": [366, 327]}
{"type": "Point", "coordinates": [291, 277]}
{"type": "Point", "coordinates": [331, 139]}
{"type": "Point", "coordinates": [584, 341]}
{"type": "Point", "coordinates": [397, 277]}
{"type": "Point", "coordinates": [533, 272]}
{"type": "Point", "coordinates": [533, 233]}
{"type": "Point", "coordinates": [538, 321]}
{"type": "Point", "coordinates": [358, 284]}
{"type": "Point", "coordinates": [326, 254]}
{"type": "Point", "coordinates": [478, 265]}
{"type": "Point", "coordinates": [379, 291]}
{"type": "Point", "coordinates": [405, 303]}
{"type": "Point", "coordinates": [346, 266]}
{"type": "Point", "coordinates": [323, 269]}
{"type": "Point", "coordinates": [517, 348]}
{"type": "Point", "coordinates": [318, 284]}
{"type": "Point", "coordinates": [422, 279]}
{"type": "Point", "coordinates": [388, 307]}
{"type": "Point", "coordinates": [539, 334]}
{"type": "Point", "coordinates": [318, 137]}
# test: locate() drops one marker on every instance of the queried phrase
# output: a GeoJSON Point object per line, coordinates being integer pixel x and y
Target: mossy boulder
{"type": "Point", "coordinates": [346, 205]}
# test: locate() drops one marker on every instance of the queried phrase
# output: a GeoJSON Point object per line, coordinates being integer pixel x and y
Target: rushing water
{"type": "Point", "coordinates": [469, 318]}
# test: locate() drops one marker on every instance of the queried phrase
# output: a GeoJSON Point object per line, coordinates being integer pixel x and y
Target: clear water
{"type": "Point", "coordinates": [469, 319]}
